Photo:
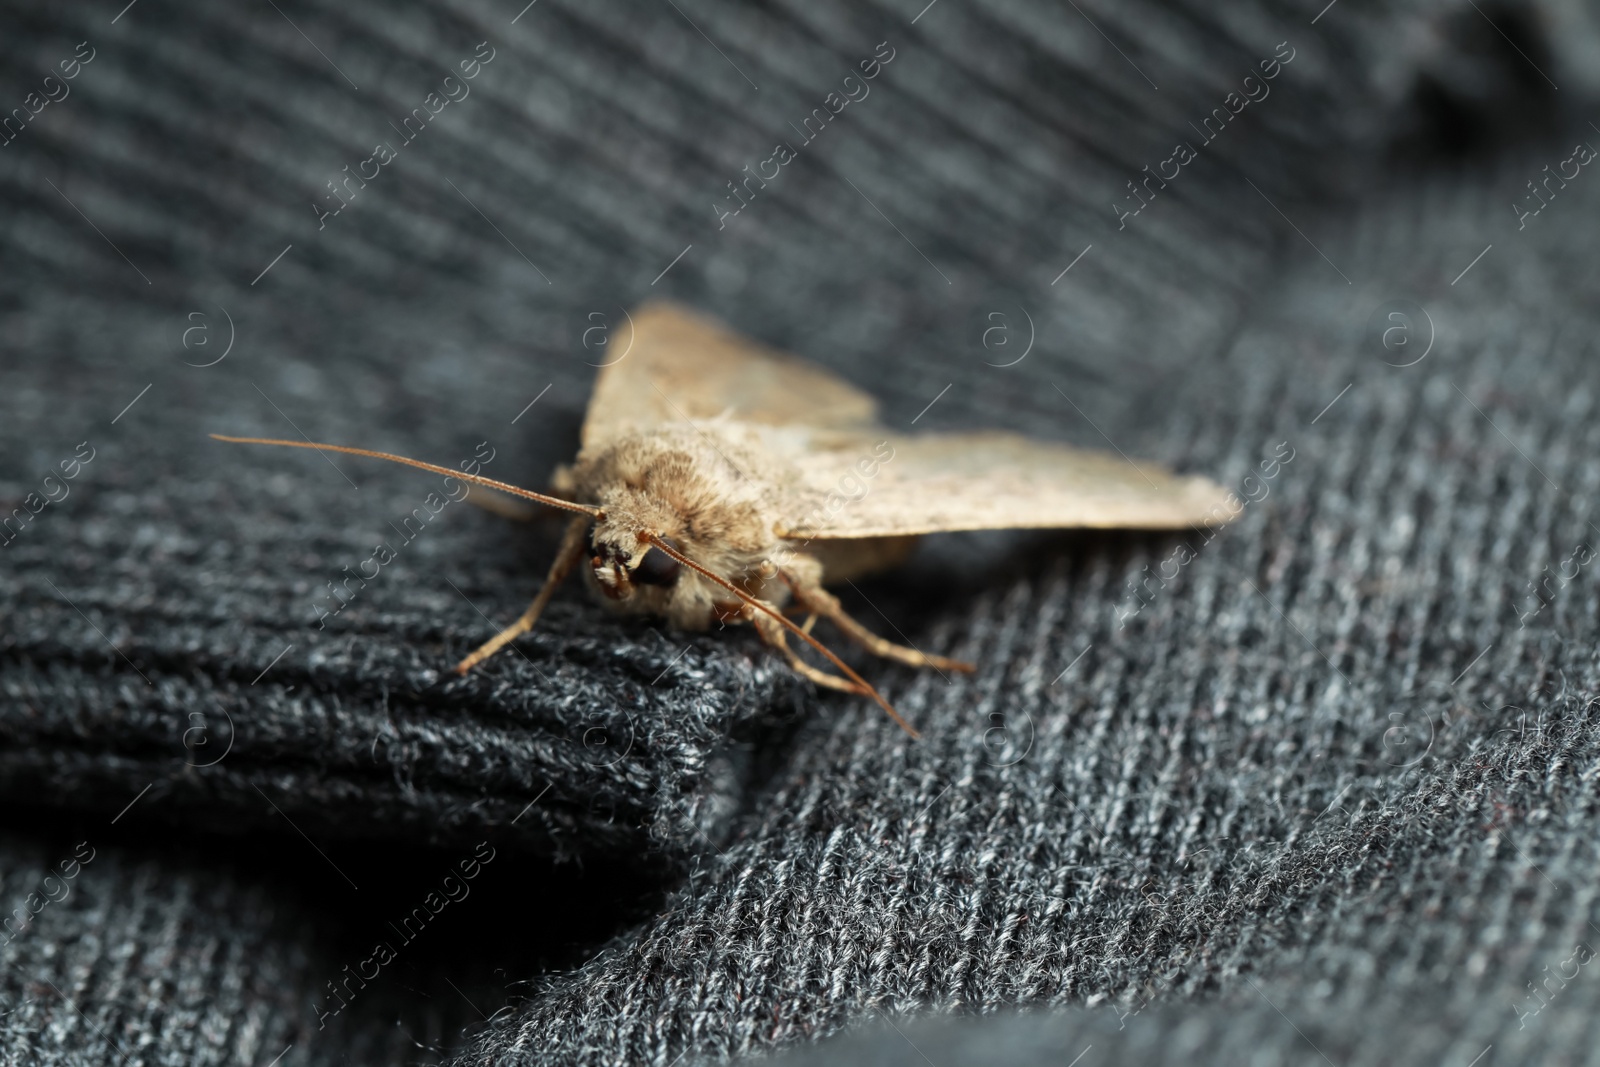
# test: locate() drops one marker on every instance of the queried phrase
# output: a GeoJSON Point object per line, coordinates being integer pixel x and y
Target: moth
{"type": "Point", "coordinates": [721, 481]}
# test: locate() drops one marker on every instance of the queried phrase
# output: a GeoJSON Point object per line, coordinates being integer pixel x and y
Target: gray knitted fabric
{"type": "Point", "coordinates": [1318, 787]}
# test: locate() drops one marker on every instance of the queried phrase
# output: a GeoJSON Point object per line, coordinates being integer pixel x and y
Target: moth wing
{"type": "Point", "coordinates": [879, 486]}
{"type": "Point", "coordinates": [678, 365]}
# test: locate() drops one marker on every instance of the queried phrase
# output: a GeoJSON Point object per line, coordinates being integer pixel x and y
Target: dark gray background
{"type": "Point", "coordinates": [1324, 799]}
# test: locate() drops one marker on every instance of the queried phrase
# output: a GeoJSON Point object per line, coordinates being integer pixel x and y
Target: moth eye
{"type": "Point", "coordinates": [656, 567]}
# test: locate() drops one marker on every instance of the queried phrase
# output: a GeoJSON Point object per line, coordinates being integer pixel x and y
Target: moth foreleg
{"type": "Point", "coordinates": [572, 546]}
{"type": "Point", "coordinates": [820, 601]}
{"type": "Point", "coordinates": [504, 506]}
{"type": "Point", "coordinates": [773, 635]}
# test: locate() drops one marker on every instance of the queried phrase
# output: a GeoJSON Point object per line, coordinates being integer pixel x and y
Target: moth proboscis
{"type": "Point", "coordinates": [721, 481]}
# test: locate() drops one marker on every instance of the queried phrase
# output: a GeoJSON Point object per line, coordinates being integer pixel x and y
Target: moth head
{"type": "Point", "coordinates": [624, 565]}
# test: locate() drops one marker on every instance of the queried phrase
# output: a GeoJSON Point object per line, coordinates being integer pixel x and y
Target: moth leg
{"type": "Point", "coordinates": [572, 546]}
{"type": "Point", "coordinates": [795, 611]}
{"type": "Point", "coordinates": [504, 506]}
{"type": "Point", "coordinates": [773, 636]}
{"type": "Point", "coordinates": [827, 605]}
{"type": "Point", "coordinates": [562, 484]}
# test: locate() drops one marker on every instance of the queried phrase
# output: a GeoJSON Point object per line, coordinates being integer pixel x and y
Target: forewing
{"type": "Point", "coordinates": [675, 365]}
{"type": "Point", "coordinates": [986, 481]}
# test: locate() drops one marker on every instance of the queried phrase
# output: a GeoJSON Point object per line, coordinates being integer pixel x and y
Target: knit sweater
{"type": "Point", "coordinates": [1317, 785]}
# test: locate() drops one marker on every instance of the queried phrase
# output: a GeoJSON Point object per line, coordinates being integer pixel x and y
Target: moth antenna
{"type": "Point", "coordinates": [652, 539]}
{"type": "Point", "coordinates": [555, 502]}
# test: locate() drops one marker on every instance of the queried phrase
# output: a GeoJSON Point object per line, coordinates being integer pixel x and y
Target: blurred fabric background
{"type": "Point", "coordinates": [1323, 791]}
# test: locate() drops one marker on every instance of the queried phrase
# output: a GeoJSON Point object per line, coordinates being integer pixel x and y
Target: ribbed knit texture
{"type": "Point", "coordinates": [1296, 766]}
{"type": "Point", "coordinates": [1325, 769]}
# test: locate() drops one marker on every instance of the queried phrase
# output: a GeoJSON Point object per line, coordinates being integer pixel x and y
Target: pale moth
{"type": "Point", "coordinates": [718, 480]}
